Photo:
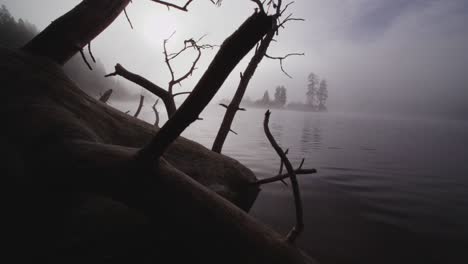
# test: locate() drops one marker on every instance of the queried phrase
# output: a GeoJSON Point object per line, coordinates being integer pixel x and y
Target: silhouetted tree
{"type": "Point", "coordinates": [260, 53]}
{"type": "Point", "coordinates": [79, 149]}
{"type": "Point", "coordinates": [322, 95]}
{"type": "Point", "coordinates": [265, 99]}
{"type": "Point", "coordinates": [280, 96]}
{"type": "Point", "coordinates": [312, 90]}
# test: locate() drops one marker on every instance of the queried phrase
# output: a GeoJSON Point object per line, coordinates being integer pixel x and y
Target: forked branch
{"type": "Point", "coordinates": [296, 231]}
{"type": "Point", "coordinates": [281, 59]}
{"type": "Point", "coordinates": [229, 55]}
{"type": "Point", "coordinates": [148, 85]}
{"type": "Point", "coordinates": [188, 44]}
{"type": "Point", "coordinates": [184, 7]}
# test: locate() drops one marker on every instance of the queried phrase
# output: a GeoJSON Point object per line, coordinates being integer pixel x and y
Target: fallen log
{"type": "Point", "coordinates": [66, 144]}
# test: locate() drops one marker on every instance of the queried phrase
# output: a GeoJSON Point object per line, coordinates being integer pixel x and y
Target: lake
{"type": "Point", "coordinates": [388, 189]}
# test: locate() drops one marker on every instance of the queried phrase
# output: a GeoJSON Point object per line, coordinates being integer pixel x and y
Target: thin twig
{"type": "Point", "coordinates": [181, 93]}
{"type": "Point", "coordinates": [91, 53]}
{"type": "Point", "coordinates": [224, 105]}
{"type": "Point", "coordinates": [283, 58]}
{"type": "Point", "coordinates": [183, 8]}
{"type": "Point", "coordinates": [140, 106]}
{"type": "Point", "coordinates": [280, 177]}
{"type": "Point", "coordinates": [85, 60]}
{"type": "Point", "coordinates": [156, 121]}
{"type": "Point", "coordinates": [190, 43]}
{"type": "Point", "coordinates": [128, 19]}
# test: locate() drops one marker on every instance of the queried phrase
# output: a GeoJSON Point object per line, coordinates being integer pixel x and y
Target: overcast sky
{"type": "Point", "coordinates": [389, 56]}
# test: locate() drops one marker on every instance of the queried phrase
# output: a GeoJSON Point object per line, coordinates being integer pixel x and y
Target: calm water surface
{"type": "Point", "coordinates": [388, 190]}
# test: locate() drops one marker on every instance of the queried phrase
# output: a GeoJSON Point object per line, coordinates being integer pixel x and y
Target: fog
{"type": "Point", "coordinates": [379, 56]}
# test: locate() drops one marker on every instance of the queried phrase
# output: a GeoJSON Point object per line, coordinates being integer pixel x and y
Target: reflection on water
{"type": "Point", "coordinates": [388, 190]}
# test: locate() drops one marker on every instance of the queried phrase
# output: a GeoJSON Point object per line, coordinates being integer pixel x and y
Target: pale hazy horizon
{"type": "Point", "coordinates": [393, 57]}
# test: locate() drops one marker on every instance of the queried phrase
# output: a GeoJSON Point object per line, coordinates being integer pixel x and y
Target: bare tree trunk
{"type": "Point", "coordinates": [105, 97]}
{"type": "Point", "coordinates": [237, 99]}
{"type": "Point", "coordinates": [71, 32]}
{"type": "Point", "coordinates": [140, 105]}
{"type": "Point", "coordinates": [229, 55]}
{"type": "Point", "coordinates": [165, 96]}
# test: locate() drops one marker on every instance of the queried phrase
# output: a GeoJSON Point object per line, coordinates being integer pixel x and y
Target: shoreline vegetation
{"type": "Point", "coordinates": [93, 184]}
{"type": "Point", "coordinates": [316, 98]}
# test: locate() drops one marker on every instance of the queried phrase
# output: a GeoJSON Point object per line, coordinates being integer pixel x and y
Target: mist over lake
{"type": "Point", "coordinates": [138, 131]}
{"type": "Point", "coordinates": [391, 186]}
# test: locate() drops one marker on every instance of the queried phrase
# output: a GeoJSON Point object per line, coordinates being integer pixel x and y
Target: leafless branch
{"type": "Point", "coordinates": [156, 113]}
{"type": "Point", "coordinates": [288, 19]}
{"type": "Point", "coordinates": [183, 8]}
{"type": "Point", "coordinates": [224, 105]}
{"type": "Point", "coordinates": [140, 106]}
{"type": "Point", "coordinates": [128, 19]}
{"type": "Point", "coordinates": [294, 233]}
{"type": "Point", "coordinates": [91, 53]}
{"type": "Point", "coordinates": [281, 177]}
{"type": "Point", "coordinates": [181, 93]}
{"type": "Point", "coordinates": [190, 43]}
{"type": "Point", "coordinates": [286, 7]}
{"type": "Point", "coordinates": [233, 49]}
{"type": "Point", "coordinates": [85, 60]}
{"type": "Point", "coordinates": [283, 58]}
{"type": "Point", "coordinates": [234, 132]}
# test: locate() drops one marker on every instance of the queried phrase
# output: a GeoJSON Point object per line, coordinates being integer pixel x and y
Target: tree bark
{"type": "Point", "coordinates": [237, 99]}
{"type": "Point", "coordinates": [73, 31]}
{"type": "Point", "coordinates": [229, 55]}
{"type": "Point", "coordinates": [165, 96]}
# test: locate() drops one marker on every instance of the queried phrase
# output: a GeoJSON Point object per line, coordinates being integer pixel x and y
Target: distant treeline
{"type": "Point", "coordinates": [316, 97]}
{"type": "Point", "coordinates": [15, 33]}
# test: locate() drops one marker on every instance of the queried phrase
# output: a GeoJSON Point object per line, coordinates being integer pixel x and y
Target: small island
{"type": "Point", "coordinates": [316, 97]}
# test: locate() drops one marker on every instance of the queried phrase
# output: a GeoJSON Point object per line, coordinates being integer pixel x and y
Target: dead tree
{"type": "Point", "coordinates": [140, 106]}
{"type": "Point", "coordinates": [230, 53]}
{"type": "Point", "coordinates": [166, 95]}
{"type": "Point", "coordinates": [105, 97]}
{"type": "Point", "coordinates": [83, 146]}
{"type": "Point", "coordinates": [245, 78]}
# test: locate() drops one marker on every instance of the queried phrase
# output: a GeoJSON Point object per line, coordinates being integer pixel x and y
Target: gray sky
{"type": "Point", "coordinates": [398, 56]}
